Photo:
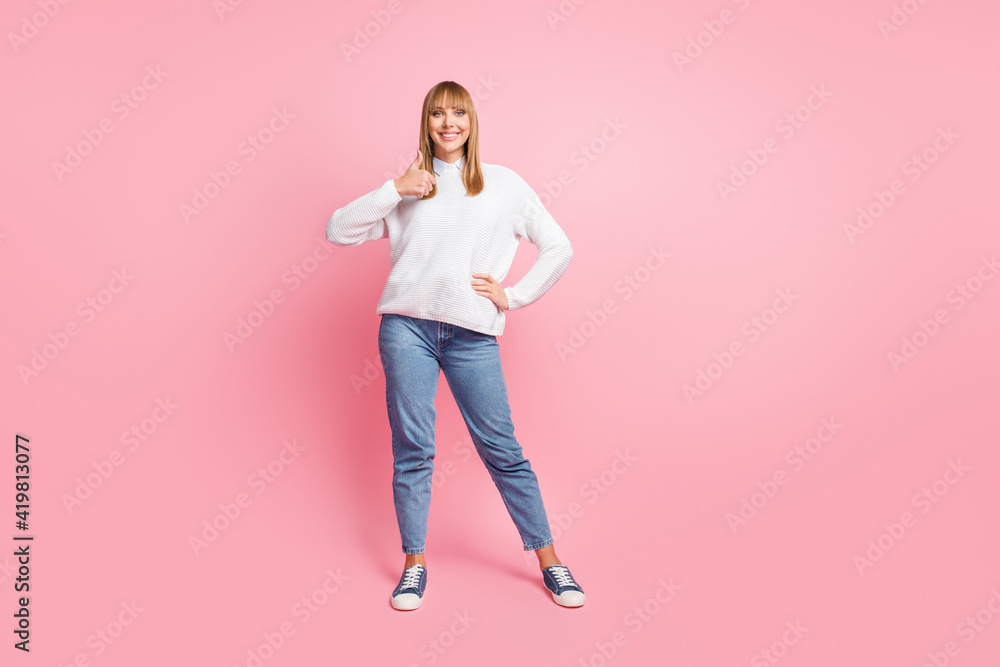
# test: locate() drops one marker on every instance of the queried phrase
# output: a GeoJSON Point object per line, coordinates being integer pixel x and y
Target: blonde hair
{"type": "Point", "coordinates": [443, 95]}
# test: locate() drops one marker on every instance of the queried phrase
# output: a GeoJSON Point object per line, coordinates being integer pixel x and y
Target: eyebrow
{"type": "Point", "coordinates": [443, 108]}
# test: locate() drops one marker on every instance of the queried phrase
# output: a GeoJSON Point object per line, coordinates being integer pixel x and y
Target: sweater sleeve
{"type": "Point", "coordinates": [554, 251]}
{"type": "Point", "coordinates": [364, 218]}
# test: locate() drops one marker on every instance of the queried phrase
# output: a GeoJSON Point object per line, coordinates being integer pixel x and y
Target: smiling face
{"type": "Point", "coordinates": [449, 130]}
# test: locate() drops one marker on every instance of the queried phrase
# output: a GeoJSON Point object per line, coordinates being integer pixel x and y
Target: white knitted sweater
{"type": "Point", "coordinates": [435, 245]}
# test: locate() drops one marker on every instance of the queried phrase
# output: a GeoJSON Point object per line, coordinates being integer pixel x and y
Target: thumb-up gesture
{"type": "Point", "coordinates": [415, 181]}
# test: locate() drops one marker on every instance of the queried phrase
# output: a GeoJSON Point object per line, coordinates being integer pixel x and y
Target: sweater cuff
{"type": "Point", "coordinates": [390, 191]}
{"type": "Point", "coordinates": [511, 302]}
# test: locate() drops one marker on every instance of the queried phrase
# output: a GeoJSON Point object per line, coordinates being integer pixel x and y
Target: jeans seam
{"type": "Point", "coordinates": [540, 545]}
{"type": "Point", "coordinates": [503, 496]}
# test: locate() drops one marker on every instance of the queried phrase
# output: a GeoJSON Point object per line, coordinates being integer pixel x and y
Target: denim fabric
{"type": "Point", "coordinates": [413, 352]}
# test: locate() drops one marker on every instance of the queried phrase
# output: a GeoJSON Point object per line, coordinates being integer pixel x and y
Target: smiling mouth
{"type": "Point", "coordinates": [448, 136]}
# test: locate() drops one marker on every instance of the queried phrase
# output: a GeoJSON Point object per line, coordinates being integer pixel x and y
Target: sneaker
{"type": "Point", "coordinates": [565, 590]}
{"type": "Point", "coordinates": [409, 592]}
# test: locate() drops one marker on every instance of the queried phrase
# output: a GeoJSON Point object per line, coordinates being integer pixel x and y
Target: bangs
{"type": "Point", "coordinates": [447, 97]}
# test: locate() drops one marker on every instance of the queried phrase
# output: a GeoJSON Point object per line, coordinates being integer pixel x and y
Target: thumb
{"type": "Point", "coordinates": [416, 163]}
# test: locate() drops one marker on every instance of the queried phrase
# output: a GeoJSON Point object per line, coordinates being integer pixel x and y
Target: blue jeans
{"type": "Point", "coordinates": [413, 352]}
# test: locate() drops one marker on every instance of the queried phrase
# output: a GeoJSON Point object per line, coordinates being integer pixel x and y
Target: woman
{"type": "Point", "coordinates": [453, 225]}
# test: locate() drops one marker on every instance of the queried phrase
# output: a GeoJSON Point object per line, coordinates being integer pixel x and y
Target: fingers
{"type": "Point", "coordinates": [416, 163]}
{"type": "Point", "coordinates": [419, 181]}
{"type": "Point", "coordinates": [427, 182]}
{"type": "Point", "coordinates": [491, 291]}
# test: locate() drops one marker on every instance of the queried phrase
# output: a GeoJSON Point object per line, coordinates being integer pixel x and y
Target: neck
{"type": "Point", "coordinates": [451, 157]}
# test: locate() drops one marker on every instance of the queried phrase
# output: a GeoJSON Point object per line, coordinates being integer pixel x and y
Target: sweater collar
{"type": "Point", "coordinates": [441, 167]}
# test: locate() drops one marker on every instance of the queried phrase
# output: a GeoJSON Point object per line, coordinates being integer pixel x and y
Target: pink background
{"type": "Point", "coordinates": [544, 90]}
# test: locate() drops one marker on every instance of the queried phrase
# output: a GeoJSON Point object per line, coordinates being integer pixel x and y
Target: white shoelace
{"type": "Point", "coordinates": [561, 574]}
{"type": "Point", "coordinates": [411, 577]}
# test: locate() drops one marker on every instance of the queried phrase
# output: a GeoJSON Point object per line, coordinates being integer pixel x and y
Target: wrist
{"type": "Point", "coordinates": [510, 303]}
